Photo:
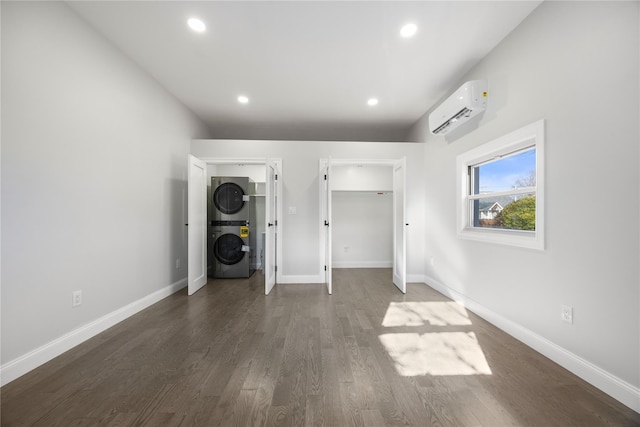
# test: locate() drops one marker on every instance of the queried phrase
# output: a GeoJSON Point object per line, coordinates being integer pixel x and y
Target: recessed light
{"type": "Point", "coordinates": [372, 102]}
{"type": "Point", "coordinates": [196, 25]}
{"type": "Point", "coordinates": [409, 30]}
{"type": "Point", "coordinates": [243, 99]}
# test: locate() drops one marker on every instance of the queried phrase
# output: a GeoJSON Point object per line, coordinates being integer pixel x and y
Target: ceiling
{"type": "Point", "coordinates": [307, 67]}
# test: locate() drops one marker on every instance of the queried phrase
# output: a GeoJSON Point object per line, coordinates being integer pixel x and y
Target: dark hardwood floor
{"type": "Point", "coordinates": [365, 356]}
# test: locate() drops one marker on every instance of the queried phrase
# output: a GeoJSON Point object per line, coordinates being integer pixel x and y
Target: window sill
{"type": "Point", "coordinates": [522, 239]}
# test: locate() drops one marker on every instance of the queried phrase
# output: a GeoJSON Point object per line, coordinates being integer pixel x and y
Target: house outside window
{"type": "Point", "coordinates": [501, 190]}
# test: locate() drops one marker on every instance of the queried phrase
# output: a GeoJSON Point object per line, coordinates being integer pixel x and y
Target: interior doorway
{"type": "Point", "coordinates": [365, 178]}
{"type": "Point", "coordinates": [266, 174]}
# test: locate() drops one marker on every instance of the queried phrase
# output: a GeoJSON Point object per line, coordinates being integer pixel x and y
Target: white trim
{"type": "Point", "coordinates": [518, 139]}
{"type": "Point", "coordinates": [233, 160]}
{"type": "Point", "coordinates": [362, 264]}
{"type": "Point", "coordinates": [33, 359]}
{"type": "Point", "coordinates": [416, 278]}
{"type": "Point", "coordinates": [615, 387]}
{"type": "Point", "coordinates": [368, 162]}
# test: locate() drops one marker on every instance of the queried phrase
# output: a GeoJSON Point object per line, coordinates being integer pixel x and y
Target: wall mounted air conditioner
{"type": "Point", "coordinates": [468, 101]}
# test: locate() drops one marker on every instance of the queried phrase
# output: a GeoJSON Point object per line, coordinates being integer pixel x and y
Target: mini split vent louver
{"type": "Point", "coordinates": [466, 102]}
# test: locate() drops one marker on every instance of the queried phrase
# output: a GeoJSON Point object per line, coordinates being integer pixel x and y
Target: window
{"type": "Point", "coordinates": [501, 188]}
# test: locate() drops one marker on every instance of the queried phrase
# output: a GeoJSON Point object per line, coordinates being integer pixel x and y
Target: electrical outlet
{"type": "Point", "coordinates": [76, 298]}
{"type": "Point", "coordinates": [566, 314]}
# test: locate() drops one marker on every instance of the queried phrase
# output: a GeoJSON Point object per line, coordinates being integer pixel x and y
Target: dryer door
{"type": "Point", "coordinates": [228, 198]}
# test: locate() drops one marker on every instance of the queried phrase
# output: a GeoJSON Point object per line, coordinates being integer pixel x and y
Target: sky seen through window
{"type": "Point", "coordinates": [504, 173]}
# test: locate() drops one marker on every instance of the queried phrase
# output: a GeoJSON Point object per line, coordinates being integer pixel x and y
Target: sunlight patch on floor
{"type": "Point", "coordinates": [425, 313]}
{"type": "Point", "coordinates": [441, 353]}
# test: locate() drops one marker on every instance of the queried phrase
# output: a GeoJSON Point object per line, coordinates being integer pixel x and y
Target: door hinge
{"type": "Point", "coordinates": [325, 176]}
{"type": "Point", "coordinates": [276, 177]}
{"type": "Point", "coordinates": [326, 223]}
{"type": "Point", "coordinates": [275, 268]}
{"type": "Point", "coordinates": [325, 268]}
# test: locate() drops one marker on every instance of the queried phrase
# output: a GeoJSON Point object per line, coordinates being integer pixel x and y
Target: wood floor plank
{"type": "Point", "coordinates": [315, 411]}
{"type": "Point", "coordinates": [229, 355]}
{"type": "Point", "coordinates": [196, 414]}
{"type": "Point", "coordinates": [119, 419]}
{"type": "Point", "coordinates": [366, 398]}
{"type": "Point", "coordinates": [259, 414]}
{"type": "Point", "coordinates": [314, 386]}
{"type": "Point", "coordinates": [350, 408]}
{"type": "Point", "coordinates": [241, 410]}
{"type": "Point", "coordinates": [266, 360]}
{"type": "Point", "coordinates": [385, 401]}
{"type": "Point", "coordinates": [225, 406]}
{"type": "Point", "coordinates": [330, 378]}
{"type": "Point", "coordinates": [373, 417]}
{"type": "Point", "coordinates": [279, 416]}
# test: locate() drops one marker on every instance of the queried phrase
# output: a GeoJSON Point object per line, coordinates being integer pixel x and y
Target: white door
{"type": "Point", "coordinates": [325, 202]}
{"type": "Point", "coordinates": [399, 226]}
{"type": "Point", "coordinates": [271, 227]}
{"type": "Point", "coordinates": [197, 223]}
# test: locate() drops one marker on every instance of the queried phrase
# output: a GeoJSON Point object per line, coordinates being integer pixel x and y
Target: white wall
{"type": "Point", "coordinates": [362, 234]}
{"type": "Point", "coordinates": [94, 159]}
{"type": "Point", "coordinates": [575, 65]}
{"type": "Point", "coordinates": [362, 177]}
{"type": "Point", "coordinates": [300, 163]}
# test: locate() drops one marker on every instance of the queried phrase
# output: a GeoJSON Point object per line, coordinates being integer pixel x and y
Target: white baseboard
{"type": "Point", "coordinates": [31, 360]}
{"type": "Point", "coordinates": [293, 279]}
{"type": "Point", "coordinates": [615, 387]}
{"type": "Point", "coordinates": [416, 278]}
{"type": "Point", "coordinates": [362, 264]}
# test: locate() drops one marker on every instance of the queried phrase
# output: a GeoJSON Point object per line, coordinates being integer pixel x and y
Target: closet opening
{"type": "Point", "coordinates": [362, 205]}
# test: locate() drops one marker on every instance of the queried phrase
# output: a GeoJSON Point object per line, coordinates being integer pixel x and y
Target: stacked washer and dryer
{"type": "Point", "coordinates": [233, 214]}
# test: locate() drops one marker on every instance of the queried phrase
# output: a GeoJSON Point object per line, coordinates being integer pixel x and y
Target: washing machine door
{"type": "Point", "coordinates": [228, 249]}
{"type": "Point", "coordinates": [228, 198]}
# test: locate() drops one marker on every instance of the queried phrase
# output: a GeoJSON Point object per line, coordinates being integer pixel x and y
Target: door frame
{"type": "Point", "coordinates": [392, 163]}
{"type": "Point", "coordinates": [258, 161]}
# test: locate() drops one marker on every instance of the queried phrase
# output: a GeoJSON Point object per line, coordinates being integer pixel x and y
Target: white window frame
{"type": "Point", "coordinates": [528, 136]}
